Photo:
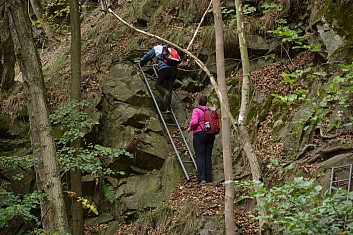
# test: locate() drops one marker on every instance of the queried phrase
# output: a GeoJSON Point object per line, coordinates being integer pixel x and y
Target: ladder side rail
{"type": "Point", "coordinates": [164, 124]}
{"type": "Point", "coordinates": [184, 140]}
{"type": "Point", "coordinates": [350, 178]}
{"type": "Point", "coordinates": [155, 72]}
{"type": "Point", "coordinates": [179, 128]}
{"type": "Point", "coordinates": [331, 180]}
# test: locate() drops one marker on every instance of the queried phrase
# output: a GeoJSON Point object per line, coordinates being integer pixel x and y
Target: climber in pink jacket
{"type": "Point", "coordinates": [203, 143]}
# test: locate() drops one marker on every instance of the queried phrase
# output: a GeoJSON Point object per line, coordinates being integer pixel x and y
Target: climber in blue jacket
{"type": "Point", "coordinates": [166, 73]}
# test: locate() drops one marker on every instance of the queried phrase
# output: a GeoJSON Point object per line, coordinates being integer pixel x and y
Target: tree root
{"type": "Point", "coordinates": [345, 130]}
{"type": "Point", "coordinates": [306, 147]}
{"type": "Point", "coordinates": [326, 152]}
{"type": "Point", "coordinates": [322, 135]}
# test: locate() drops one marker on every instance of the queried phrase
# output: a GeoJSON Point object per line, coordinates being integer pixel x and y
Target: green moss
{"type": "Point", "coordinates": [23, 112]}
{"type": "Point", "coordinates": [5, 121]}
{"type": "Point", "coordinates": [338, 15]}
{"type": "Point", "coordinates": [346, 51]}
{"type": "Point", "coordinates": [57, 132]}
{"type": "Point", "coordinates": [234, 100]}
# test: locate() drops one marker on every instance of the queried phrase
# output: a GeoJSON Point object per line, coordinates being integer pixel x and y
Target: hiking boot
{"type": "Point", "coordinates": [166, 97]}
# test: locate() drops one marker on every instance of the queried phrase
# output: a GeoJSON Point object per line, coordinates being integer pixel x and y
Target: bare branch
{"type": "Point", "coordinates": [197, 29]}
{"type": "Point", "coordinates": [197, 60]}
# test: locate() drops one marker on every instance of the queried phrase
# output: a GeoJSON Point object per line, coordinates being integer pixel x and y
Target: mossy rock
{"type": "Point", "coordinates": [5, 121]}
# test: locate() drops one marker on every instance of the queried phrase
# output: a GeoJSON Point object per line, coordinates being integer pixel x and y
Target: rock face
{"type": "Point", "coordinates": [129, 114]}
{"type": "Point", "coordinates": [130, 121]}
{"type": "Point", "coordinates": [334, 31]}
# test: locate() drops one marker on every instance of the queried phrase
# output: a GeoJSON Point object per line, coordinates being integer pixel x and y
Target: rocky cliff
{"type": "Point", "coordinates": [128, 119]}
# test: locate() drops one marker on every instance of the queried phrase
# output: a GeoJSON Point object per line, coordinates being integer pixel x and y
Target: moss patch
{"type": "Point", "coordinates": [338, 13]}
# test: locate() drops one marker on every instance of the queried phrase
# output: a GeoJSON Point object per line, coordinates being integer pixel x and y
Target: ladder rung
{"type": "Point", "coordinates": [179, 137]}
{"type": "Point", "coordinates": [337, 181]}
{"type": "Point", "coordinates": [171, 124]}
{"type": "Point", "coordinates": [344, 166]}
{"type": "Point", "coordinates": [183, 147]}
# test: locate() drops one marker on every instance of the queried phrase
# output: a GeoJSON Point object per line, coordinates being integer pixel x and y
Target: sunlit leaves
{"type": "Point", "coordinates": [301, 207]}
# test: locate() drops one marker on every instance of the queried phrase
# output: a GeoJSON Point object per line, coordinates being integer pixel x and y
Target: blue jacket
{"type": "Point", "coordinates": [155, 52]}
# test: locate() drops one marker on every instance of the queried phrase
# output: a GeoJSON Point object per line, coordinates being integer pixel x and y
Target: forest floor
{"type": "Point", "coordinates": [208, 199]}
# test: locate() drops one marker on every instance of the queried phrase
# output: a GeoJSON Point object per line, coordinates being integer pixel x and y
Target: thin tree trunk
{"type": "Point", "coordinates": [226, 143]}
{"type": "Point", "coordinates": [198, 26]}
{"type": "Point", "coordinates": [75, 174]}
{"type": "Point", "coordinates": [7, 55]}
{"type": "Point", "coordinates": [53, 211]}
{"type": "Point", "coordinates": [243, 132]}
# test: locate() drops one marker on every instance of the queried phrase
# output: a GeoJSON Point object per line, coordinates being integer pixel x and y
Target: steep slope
{"type": "Point", "coordinates": [289, 140]}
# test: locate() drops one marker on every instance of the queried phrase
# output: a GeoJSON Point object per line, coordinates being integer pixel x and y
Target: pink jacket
{"type": "Point", "coordinates": [197, 119]}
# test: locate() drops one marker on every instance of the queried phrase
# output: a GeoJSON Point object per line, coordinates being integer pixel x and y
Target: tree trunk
{"type": "Point", "coordinates": [75, 174]}
{"type": "Point", "coordinates": [38, 11]}
{"type": "Point", "coordinates": [243, 132]}
{"type": "Point", "coordinates": [7, 55]}
{"type": "Point", "coordinates": [53, 211]}
{"type": "Point", "coordinates": [226, 143]}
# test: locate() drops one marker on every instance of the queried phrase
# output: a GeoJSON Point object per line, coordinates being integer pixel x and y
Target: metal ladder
{"type": "Point", "coordinates": [173, 130]}
{"type": "Point", "coordinates": [336, 181]}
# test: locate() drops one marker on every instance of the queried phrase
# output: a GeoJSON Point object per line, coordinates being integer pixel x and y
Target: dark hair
{"type": "Point", "coordinates": [202, 99]}
{"type": "Point", "coordinates": [158, 42]}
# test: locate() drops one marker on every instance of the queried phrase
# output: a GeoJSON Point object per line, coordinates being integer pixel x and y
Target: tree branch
{"type": "Point", "coordinates": [197, 29]}
{"type": "Point", "coordinates": [197, 60]}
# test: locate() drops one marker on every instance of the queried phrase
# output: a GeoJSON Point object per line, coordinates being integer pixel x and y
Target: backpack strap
{"type": "Point", "coordinates": [203, 111]}
{"type": "Point", "coordinates": [164, 48]}
{"type": "Point", "coordinates": [201, 108]}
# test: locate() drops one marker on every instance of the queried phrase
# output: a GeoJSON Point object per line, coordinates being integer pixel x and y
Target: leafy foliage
{"type": "Point", "coordinates": [75, 123]}
{"type": "Point", "coordinates": [297, 95]}
{"type": "Point", "coordinates": [275, 164]}
{"type": "Point", "coordinates": [93, 159]}
{"type": "Point", "coordinates": [247, 9]}
{"type": "Point", "coordinates": [11, 162]}
{"type": "Point", "coordinates": [337, 94]}
{"type": "Point", "coordinates": [61, 10]}
{"type": "Point", "coordinates": [85, 202]}
{"type": "Point", "coordinates": [269, 6]}
{"type": "Point", "coordinates": [301, 207]}
{"type": "Point", "coordinates": [12, 205]}
{"type": "Point", "coordinates": [109, 192]}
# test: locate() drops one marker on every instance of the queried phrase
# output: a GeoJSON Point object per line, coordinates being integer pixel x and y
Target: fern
{"type": "Point", "coordinates": [108, 192]}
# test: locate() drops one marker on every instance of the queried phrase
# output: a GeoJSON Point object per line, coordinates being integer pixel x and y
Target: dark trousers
{"type": "Point", "coordinates": [203, 145]}
{"type": "Point", "coordinates": [166, 76]}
